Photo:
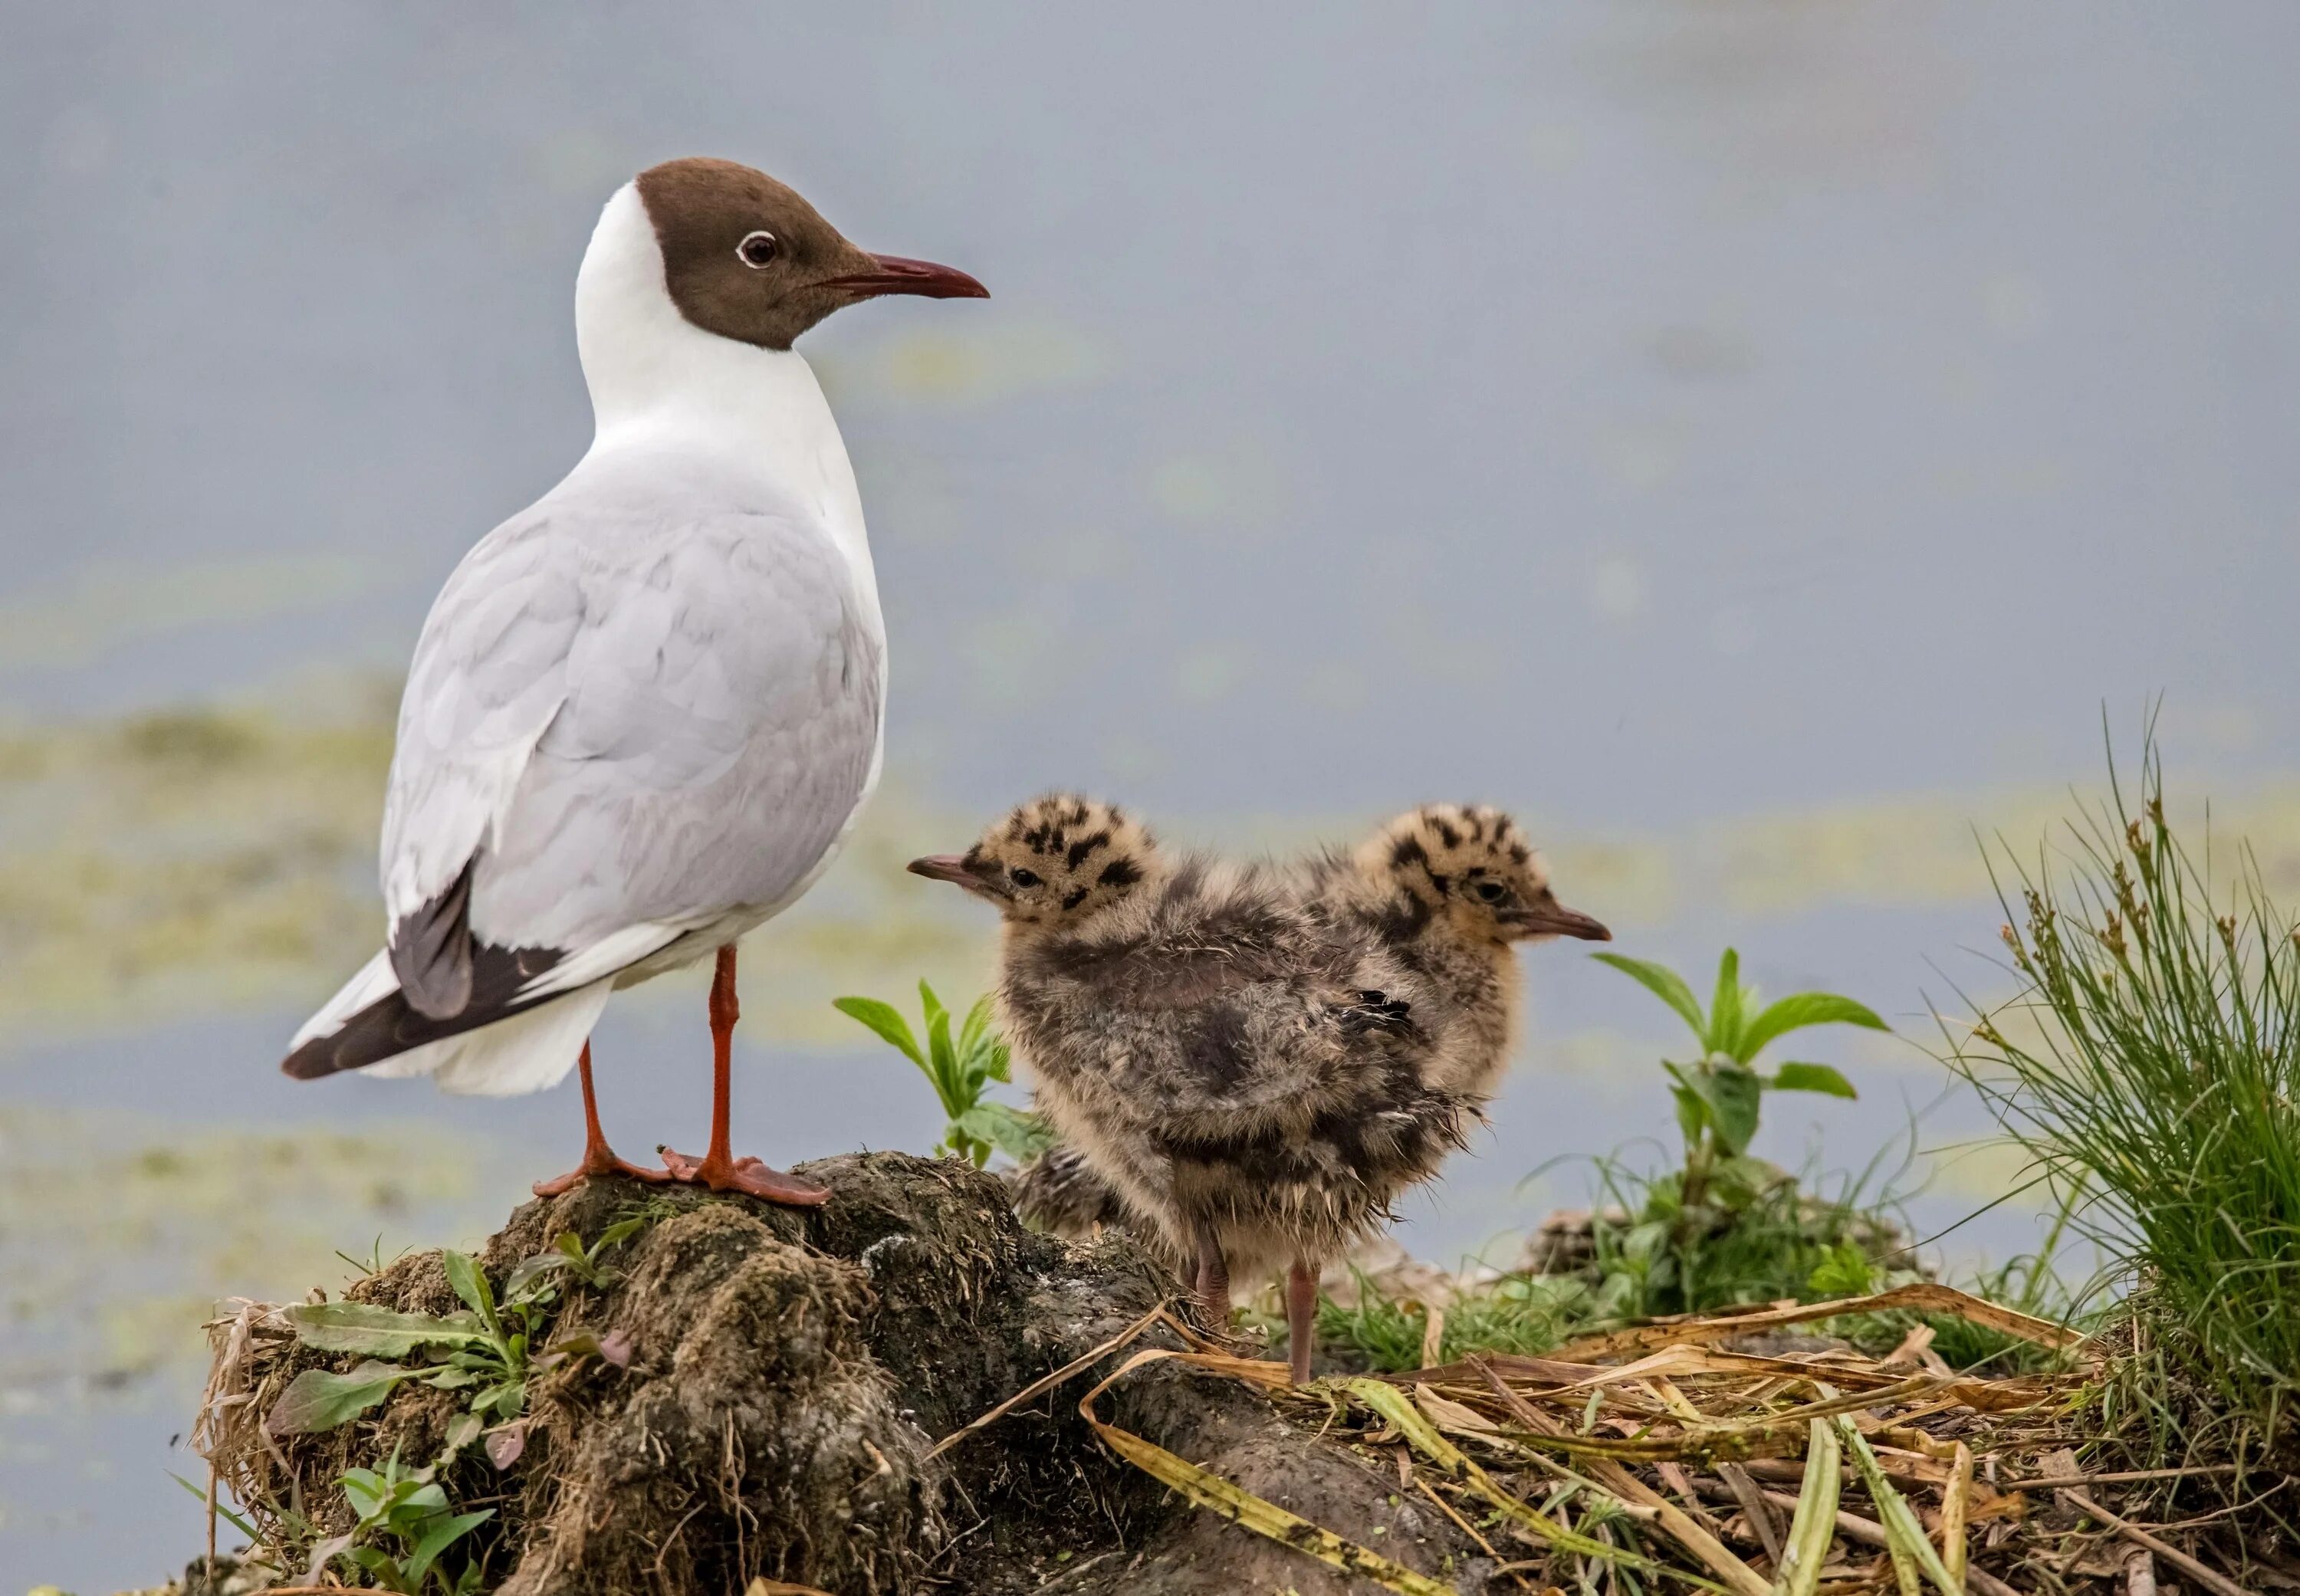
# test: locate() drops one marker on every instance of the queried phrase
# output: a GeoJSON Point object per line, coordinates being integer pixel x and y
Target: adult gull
{"type": "Point", "coordinates": [645, 711]}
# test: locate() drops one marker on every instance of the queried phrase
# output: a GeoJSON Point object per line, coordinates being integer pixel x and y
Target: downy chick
{"type": "Point", "coordinates": [1446, 892]}
{"type": "Point", "coordinates": [1226, 1063]}
{"type": "Point", "coordinates": [1449, 891]}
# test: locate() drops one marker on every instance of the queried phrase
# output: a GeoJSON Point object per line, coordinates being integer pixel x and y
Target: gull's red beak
{"type": "Point", "coordinates": [894, 274]}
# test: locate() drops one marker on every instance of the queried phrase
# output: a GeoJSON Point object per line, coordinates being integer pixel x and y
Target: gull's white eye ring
{"type": "Point", "coordinates": [757, 249]}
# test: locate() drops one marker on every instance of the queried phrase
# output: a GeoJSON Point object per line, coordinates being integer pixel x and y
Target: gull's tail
{"type": "Point", "coordinates": [499, 1050]}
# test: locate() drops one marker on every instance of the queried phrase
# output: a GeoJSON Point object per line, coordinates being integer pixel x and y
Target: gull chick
{"type": "Point", "coordinates": [1444, 893]}
{"type": "Point", "coordinates": [1449, 891]}
{"type": "Point", "coordinates": [1226, 1064]}
{"type": "Point", "coordinates": [645, 710]}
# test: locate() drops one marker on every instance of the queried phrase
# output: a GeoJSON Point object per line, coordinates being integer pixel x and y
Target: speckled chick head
{"type": "Point", "coordinates": [1472, 867]}
{"type": "Point", "coordinates": [1055, 862]}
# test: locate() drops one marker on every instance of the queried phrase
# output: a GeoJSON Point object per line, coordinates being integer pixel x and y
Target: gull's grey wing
{"type": "Point", "coordinates": [622, 722]}
{"type": "Point", "coordinates": [720, 730]}
{"type": "Point", "coordinates": [490, 675]}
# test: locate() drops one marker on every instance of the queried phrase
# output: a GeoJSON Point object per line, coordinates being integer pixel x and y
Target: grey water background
{"type": "Point", "coordinates": [1654, 417]}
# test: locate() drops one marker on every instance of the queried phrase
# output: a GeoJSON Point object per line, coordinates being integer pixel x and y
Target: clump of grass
{"type": "Point", "coordinates": [2149, 1065]}
{"type": "Point", "coordinates": [1518, 1314]}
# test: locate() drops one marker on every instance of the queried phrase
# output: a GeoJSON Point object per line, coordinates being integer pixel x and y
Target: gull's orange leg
{"type": "Point", "coordinates": [598, 1157]}
{"type": "Point", "coordinates": [720, 1169]}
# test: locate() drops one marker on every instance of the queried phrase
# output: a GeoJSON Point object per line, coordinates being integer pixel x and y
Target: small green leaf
{"type": "Point", "coordinates": [998, 1064]}
{"type": "Point", "coordinates": [1810, 1078]}
{"type": "Point", "coordinates": [1733, 1094]}
{"type": "Point", "coordinates": [1693, 1115]}
{"type": "Point", "coordinates": [1724, 1034]}
{"type": "Point", "coordinates": [1798, 1010]}
{"type": "Point", "coordinates": [317, 1400]}
{"type": "Point", "coordinates": [378, 1331]}
{"type": "Point", "coordinates": [1019, 1134]}
{"type": "Point", "coordinates": [1739, 1181]}
{"type": "Point", "coordinates": [376, 1561]}
{"type": "Point", "coordinates": [1641, 1242]}
{"type": "Point", "coordinates": [958, 1093]}
{"type": "Point", "coordinates": [471, 1284]}
{"type": "Point", "coordinates": [461, 1431]}
{"type": "Point", "coordinates": [366, 1490]}
{"type": "Point", "coordinates": [1842, 1271]}
{"type": "Point", "coordinates": [615, 1234]}
{"type": "Point", "coordinates": [437, 1539]}
{"type": "Point", "coordinates": [976, 1027]}
{"type": "Point", "coordinates": [530, 1270]}
{"type": "Point", "coordinates": [887, 1021]}
{"type": "Point", "coordinates": [1665, 984]}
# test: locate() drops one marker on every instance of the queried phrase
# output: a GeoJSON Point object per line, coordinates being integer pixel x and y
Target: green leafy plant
{"type": "Point", "coordinates": [961, 1069]}
{"type": "Point", "coordinates": [404, 1523]}
{"type": "Point", "coordinates": [489, 1350]}
{"type": "Point", "coordinates": [1718, 1093]}
{"type": "Point", "coordinates": [1652, 1254]}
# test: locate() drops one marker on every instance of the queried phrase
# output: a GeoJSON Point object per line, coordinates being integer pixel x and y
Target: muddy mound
{"type": "Point", "coordinates": [735, 1391]}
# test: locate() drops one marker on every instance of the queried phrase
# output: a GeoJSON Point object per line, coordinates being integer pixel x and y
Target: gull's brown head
{"type": "Point", "coordinates": [1056, 861]}
{"type": "Point", "coordinates": [1470, 868]}
{"type": "Point", "coordinates": [747, 258]}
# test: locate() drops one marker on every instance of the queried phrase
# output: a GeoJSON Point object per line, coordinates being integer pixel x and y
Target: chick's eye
{"type": "Point", "coordinates": [1491, 891]}
{"type": "Point", "coordinates": [757, 249]}
{"type": "Point", "coordinates": [1022, 877]}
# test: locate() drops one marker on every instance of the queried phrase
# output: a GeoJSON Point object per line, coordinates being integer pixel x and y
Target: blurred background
{"type": "Point", "coordinates": [1754, 442]}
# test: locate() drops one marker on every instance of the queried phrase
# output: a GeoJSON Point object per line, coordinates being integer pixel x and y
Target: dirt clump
{"type": "Point", "coordinates": [788, 1375]}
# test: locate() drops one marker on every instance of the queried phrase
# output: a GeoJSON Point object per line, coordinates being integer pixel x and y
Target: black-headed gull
{"type": "Point", "coordinates": [645, 711]}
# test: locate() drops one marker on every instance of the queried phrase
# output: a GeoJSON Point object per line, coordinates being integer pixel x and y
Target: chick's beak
{"type": "Point", "coordinates": [896, 274]}
{"type": "Point", "coordinates": [1554, 919]}
{"type": "Point", "coordinates": [951, 868]}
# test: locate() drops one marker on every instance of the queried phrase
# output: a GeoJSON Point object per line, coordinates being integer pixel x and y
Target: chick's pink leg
{"type": "Point", "coordinates": [1300, 1319]}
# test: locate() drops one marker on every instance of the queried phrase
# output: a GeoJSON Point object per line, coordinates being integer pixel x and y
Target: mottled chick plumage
{"type": "Point", "coordinates": [1448, 891]}
{"type": "Point", "coordinates": [1443, 893]}
{"type": "Point", "coordinates": [1227, 1063]}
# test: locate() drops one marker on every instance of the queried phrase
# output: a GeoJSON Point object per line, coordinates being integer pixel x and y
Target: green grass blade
{"type": "Point", "coordinates": [223, 1512]}
{"type": "Point", "coordinates": [1813, 1527]}
{"type": "Point", "coordinates": [1912, 1549]}
{"type": "Point", "coordinates": [1392, 1405]}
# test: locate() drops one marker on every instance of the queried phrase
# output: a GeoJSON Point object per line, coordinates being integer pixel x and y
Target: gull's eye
{"type": "Point", "coordinates": [757, 249]}
{"type": "Point", "coordinates": [1022, 877]}
{"type": "Point", "coordinates": [1492, 892]}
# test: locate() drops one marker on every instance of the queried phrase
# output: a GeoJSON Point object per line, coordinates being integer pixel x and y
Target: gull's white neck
{"type": "Point", "coordinates": [657, 380]}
